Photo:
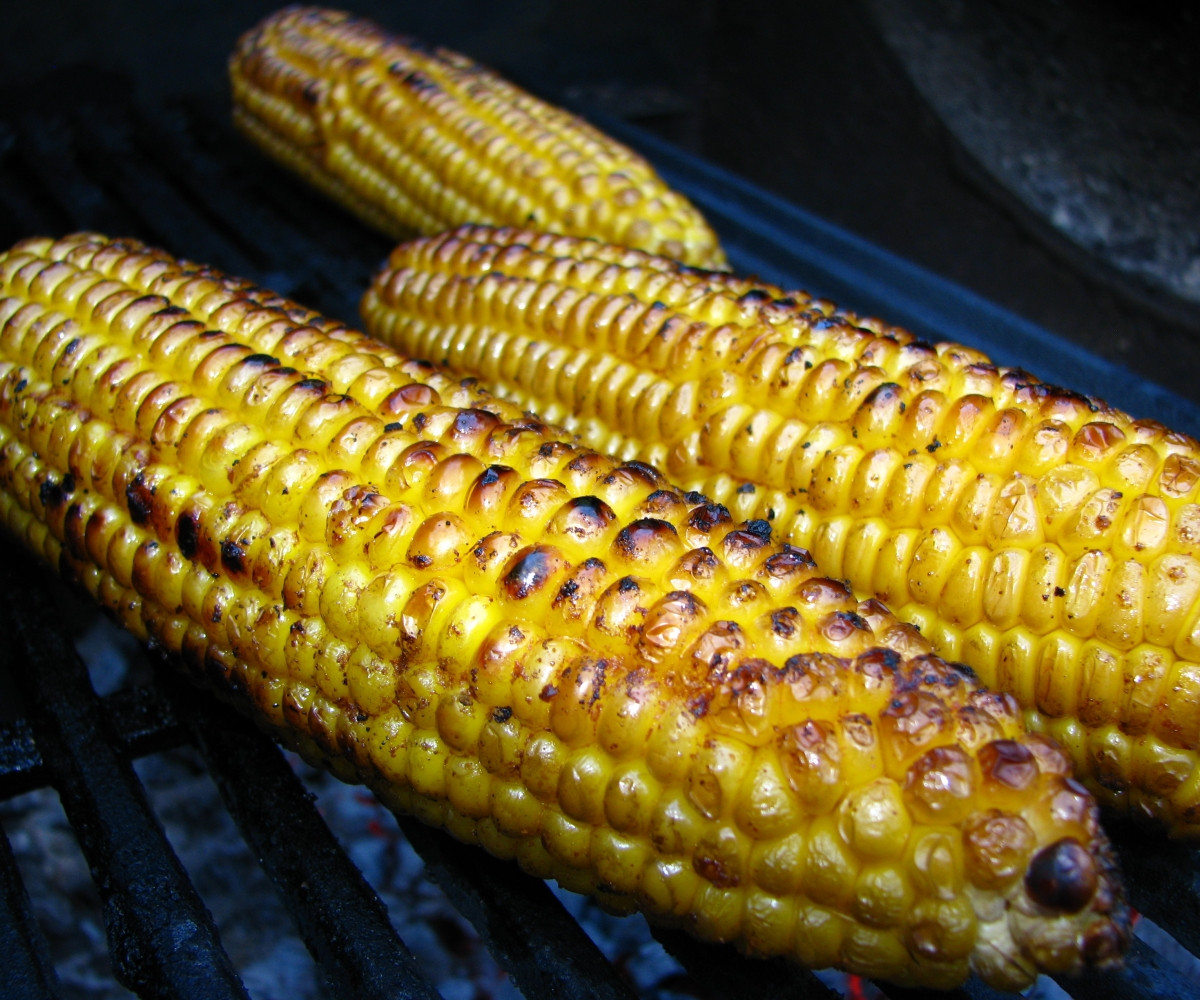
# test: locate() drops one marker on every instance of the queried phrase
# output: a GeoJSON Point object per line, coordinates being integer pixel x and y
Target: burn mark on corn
{"type": "Point", "coordinates": [187, 533]}
{"type": "Point", "coordinates": [709, 516]}
{"type": "Point", "coordinates": [529, 570]}
{"type": "Point", "coordinates": [1008, 763]}
{"type": "Point", "coordinates": [314, 385]}
{"type": "Point", "coordinates": [53, 493]}
{"type": "Point", "coordinates": [1062, 877]}
{"type": "Point", "coordinates": [233, 556]}
{"type": "Point", "coordinates": [139, 498]}
{"type": "Point", "coordinates": [643, 537]}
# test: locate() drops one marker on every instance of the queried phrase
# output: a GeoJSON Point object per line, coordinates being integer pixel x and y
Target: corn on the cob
{"type": "Point", "coordinates": [1046, 540]}
{"type": "Point", "coordinates": [545, 651]}
{"type": "Point", "coordinates": [415, 139]}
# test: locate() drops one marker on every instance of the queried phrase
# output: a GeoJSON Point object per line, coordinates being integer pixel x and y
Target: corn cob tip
{"type": "Point", "coordinates": [549, 652]}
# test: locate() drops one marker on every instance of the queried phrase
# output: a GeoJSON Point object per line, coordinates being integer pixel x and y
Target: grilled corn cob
{"type": "Point", "coordinates": [1046, 540]}
{"type": "Point", "coordinates": [416, 139]}
{"type": "Point", "coordinates": [547, 652]}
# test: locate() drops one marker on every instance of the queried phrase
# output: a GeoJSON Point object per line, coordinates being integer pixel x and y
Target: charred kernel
{"type": "Point", "coordinates": [709, 516]}
{"type": "Point", "coordinates": [582, 518]}
{"type": "Point", "coordinates": [1062, 876]}
{"type": "Point", "coordinates": [645, 539]}
{"type": "Point", "coordinates": [187, 533]}
{"type": "Point", "coordinates": [1008, 763]}
{"type": "Point", "coordinates": [139, 496]}
{"type": "Point", "coordinates": [233, 556]}
{"type": "Point", "coordinates": [529, 570]}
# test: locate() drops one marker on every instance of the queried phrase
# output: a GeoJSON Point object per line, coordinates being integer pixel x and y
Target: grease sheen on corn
{"type": "Point", "coordinates": [547, 652]}
{"type": "Point", "coordinates": [415, 139]}
{"type": "Point", "coordinates": [1050, 542]}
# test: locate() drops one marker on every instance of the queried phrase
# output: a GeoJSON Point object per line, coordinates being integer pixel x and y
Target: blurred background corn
{"type": "Point", "coordinates": [545, 651]}
{"type": "Point", "coordinates": [1039, 536]}
{"type": "Point", "coordinates": [417, 139]}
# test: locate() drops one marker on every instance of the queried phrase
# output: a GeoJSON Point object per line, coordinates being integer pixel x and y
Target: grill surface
{"type": "Point", "coordinates": [176, 177]}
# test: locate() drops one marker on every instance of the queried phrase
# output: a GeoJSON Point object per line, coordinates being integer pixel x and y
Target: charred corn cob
{"type": "Point", "coordinates": [415, 139]}
{"type": "Point", "coordinates": [1048, 541]}
{"type": "Point", "coordinates": [547, 652]}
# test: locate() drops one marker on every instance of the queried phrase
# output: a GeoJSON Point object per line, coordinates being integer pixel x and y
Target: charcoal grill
{"type": "Point", "coordinates": [175, 176]}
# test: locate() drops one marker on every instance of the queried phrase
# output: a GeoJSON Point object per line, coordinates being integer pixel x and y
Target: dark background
{"type": "Point", "coordinates": [821, 102]}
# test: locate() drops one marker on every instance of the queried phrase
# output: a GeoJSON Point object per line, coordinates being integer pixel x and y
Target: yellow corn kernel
{"type": "Point", "coordinates": [548, 652]}
{"type": "Point", "coordinates": [1044, 538]}
{"type": "Point", "coordinates": [416, 139]}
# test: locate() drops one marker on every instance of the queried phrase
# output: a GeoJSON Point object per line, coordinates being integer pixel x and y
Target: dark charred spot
{"type": "Point", "coordinates": [933, 446]}
{"type": "Point", "coordinates": [260, 360]}
{"type": "Point", "coordinates": [1062, 877]}
{"type": "Point", "coordinates": [71, 346]}
{"type": "Point", "coordinates": [51, 494]}
{"type": "Point", "coordinates": [1008, 763]}
{"type": "Point", "coordinates": [785, 622]}
{"type": "Point", "coordinates": [417, 81]}
{"type": "Point", "coordinates": [528, 572]}
{"type": "Point", "coordinates": [139, 497]}
{"type": "Point", "coordinates": [643, 471]}
{"type": "Point", "coordinates": [21, 386]}
{"type": "Point", "coordinates": [216, 613]}
{"type": "Point", "coordinates": [641, 535]}
{"type": "Point", "coordinates": [296, 628]}
{"type": "Point", "coordinates": [694, 497]}
{"type": "Point", "coordinates": [568, 590]}
{"type": "Point", "coordinates": [756, 296]}
{"type": "Point", "coordinates": [312, 385]}
{"type": "Point", "coordinates": [492, 474]}
{"type": "Point", "coordinates": [468, 423]}
{"type": "Point", "coordinates": [794, 355]}
{"type": "Point", "coordinates": [395, 425]}
{"type": "Point", "coordinates": [741, 538]}
{"type": "Point", "coordinates": [746, 488]}
{"type": "Point", "coordinates": [187, 533]}
{"type": "Point", "coordinates": [627, 584]}
{"type": "Point", "coordinates": [287, 371]}
{"type": "Point", "coordinates": [760, 528]}
{"type": "Point", "coordinates": [584, 516]}
{"type": "Point", "coordinates": [502, 714]}
{"type": "Point", "coordinates": [1059, 592]}
{"type": "Point", "coordinates": [421, 561]}
{"type": "Point", "coordinates": [233, 556]}
{"type": "Point", "coordinates": [419, 422]}
{"type": "Point", "coordinates": [708, 516]}
{"type": "Point", "coordinates": [791, 560]}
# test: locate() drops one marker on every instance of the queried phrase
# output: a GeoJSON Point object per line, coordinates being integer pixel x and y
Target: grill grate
{"type": "Point", "coordinates": [177, 177]}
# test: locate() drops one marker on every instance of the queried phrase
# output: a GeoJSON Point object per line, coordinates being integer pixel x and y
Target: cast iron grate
{"type": "Point", "coordinates": [177, 177]}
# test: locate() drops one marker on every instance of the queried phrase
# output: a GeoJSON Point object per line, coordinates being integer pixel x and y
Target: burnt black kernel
{"type": "Point", "coordinates": [71, 346]}
{"type": "Point", "coordinates": [312, 385]}
{"type": "Point", "coordinates": [644, 531]}
{"type": "Point", "coordinates": [760, 528]}
{"type": "Point", "coordinates": [1059, 592]}
{"type": "Point", "coordinates": [708, 516]}
{"type": "Point", "coordinates": [233, 556]}
{"type": "Point", "coordinates": [492, 474]}
{"type": "Point", "coordinates": [139, 498]}
{"type": "Point", "coordinates": [395, 425]}
{"type": "Point", "coordinates": [502, 714]}
{"type": "Point", "coordinates": [50, 493]}
{"type": "Point", "coordinates": [187, 534]}
{"type": "Point", "coordinates": [627, 584]}
{"type": "Point", "coordinates": [529, 573]}
{"type": "Point", "coordinates": [67, 484]}
{"type": "Point", "coordinates": [755, 296]}
{"type": "Point", "coordinates": [473, 421]}
{"type": "Point", "coordinates": [694, 497]}
{"type": "Point", "coordinates": [785, 622]}
{"type": "Point", "coordinates": [568, 590]}
{"type": "Point", "coordinates": [21, 386]}
{"type": "Point", "coordinates": [261, 360]}
{"type": "Point", "coordinates": [1062, 877]}
{"type": "Point", "coordinates": [933, 446]}
{"type": "Point", "coordinates": [296, 627]}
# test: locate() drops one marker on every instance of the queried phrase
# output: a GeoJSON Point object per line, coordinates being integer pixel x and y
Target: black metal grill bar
{"type": "Point", "coordinates": [28, 970]}
{"type": "Point", "coordinates": [161, 937]}
{"type": "Point", "coordinates": [343, 922]}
